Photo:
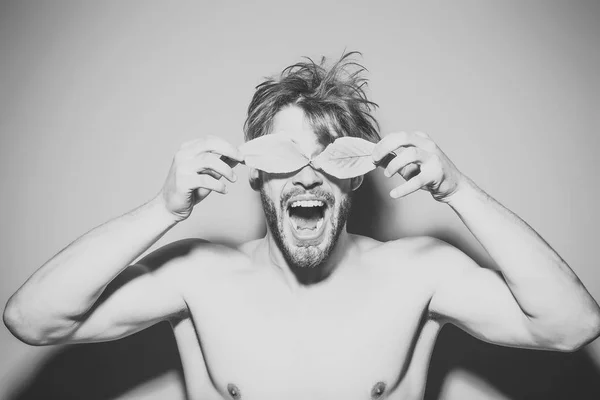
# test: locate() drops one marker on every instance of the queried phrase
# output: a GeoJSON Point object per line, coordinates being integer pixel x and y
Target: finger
{"type": "Point", "coordinates": [396, 140]}
{"type": "Point", "coordinates": [216, 145]}
{"type": "Point", "coordinates": [406, 156]}
{"type": "Point", "coordinates": [211, 173]}
{"type": "Point", "coordinates": [410, 186]}
{"type": "Point", "coordinates": [208, 182]}
{"type": "Point", "coordinates": [208, 162]}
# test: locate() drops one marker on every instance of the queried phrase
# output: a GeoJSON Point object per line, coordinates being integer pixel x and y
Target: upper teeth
{"type": "Point", "coordinates": [307, 203]}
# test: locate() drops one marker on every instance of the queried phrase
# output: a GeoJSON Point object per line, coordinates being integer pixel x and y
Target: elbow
{"type": "Point", "coordinates": [577, 334]}
{"type": "Point", "coordinates": [14, 322]}
{"type": "Point", "coordinates": [17, 325]}
{"type": "Point", "coordinates": [22, 328]}
{"type": "Point", "coordinates": [589, 330]}
{"type": "Point", "coordinates": [567, 346]}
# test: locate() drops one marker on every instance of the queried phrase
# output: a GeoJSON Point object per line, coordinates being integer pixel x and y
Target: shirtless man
{"type": "Point", "coordinates": [309, 311]}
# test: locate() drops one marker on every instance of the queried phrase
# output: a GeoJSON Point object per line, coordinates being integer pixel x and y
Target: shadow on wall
{"type": "Point", "coordinates": [519, 374]}
{"type": "Point", "coordinates": [104, 371]}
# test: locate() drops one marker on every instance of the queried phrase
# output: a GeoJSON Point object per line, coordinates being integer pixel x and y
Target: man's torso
{"type": "Point", "coordinates": [364, 333]}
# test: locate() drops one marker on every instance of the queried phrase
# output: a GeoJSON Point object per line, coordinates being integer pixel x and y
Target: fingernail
{"type": "Point", "coordinates": [394, 193]}
{"type": "Point", "coordinates": [386, 173]}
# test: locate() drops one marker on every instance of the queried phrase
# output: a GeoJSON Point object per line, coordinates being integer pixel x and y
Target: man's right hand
{"type": "Point", "coordinates": [84, 293]}
{"type": "Point", "coordinates": [196, 171]}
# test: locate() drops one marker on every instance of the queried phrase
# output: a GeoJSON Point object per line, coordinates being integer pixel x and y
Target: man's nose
{"type": "Point", "coordinates": [308, 178]}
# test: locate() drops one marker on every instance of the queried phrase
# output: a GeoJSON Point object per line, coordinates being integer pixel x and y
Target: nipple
{"type": "Point", "coordinates": [377, 390]}
{"type": "Point", "coordinates": [234, 391]}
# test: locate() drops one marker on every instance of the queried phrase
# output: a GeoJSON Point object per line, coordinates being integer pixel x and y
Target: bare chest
{"type": "Point", "coordinates": [352, 340]}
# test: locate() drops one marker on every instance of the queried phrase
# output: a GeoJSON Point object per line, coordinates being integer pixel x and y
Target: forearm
{"type": "Point", "coordinates": [68, 285]}
{"type": "Point", "coordinates": [544, 286]}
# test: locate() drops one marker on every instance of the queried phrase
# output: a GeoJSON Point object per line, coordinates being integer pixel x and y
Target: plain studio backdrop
{"type": "Point", "coordinates": [96, 97]}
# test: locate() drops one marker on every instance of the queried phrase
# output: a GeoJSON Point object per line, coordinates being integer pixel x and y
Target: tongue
{"type": "Point", "coordinates": [305, 223]}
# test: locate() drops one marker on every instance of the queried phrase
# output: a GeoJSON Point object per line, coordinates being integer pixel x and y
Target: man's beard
{"type": "Point", "coordinates": [305, 256]}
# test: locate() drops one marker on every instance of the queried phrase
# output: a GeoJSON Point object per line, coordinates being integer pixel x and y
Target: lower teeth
{"type": "Point", "coordinates": [319, 223]}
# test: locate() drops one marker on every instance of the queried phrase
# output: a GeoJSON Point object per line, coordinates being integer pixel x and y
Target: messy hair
{"type": "Point", "coordinates": [332, 98]}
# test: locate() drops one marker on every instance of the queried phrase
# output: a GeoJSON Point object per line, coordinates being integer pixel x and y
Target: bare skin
{"type": "Point", "coordinates": [366, 325]}
{"type": "Point", "coordinates": [254, 322]}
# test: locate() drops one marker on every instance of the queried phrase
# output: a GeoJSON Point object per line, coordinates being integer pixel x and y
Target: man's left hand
{"type": "Point", "coordinates": [421, 163]}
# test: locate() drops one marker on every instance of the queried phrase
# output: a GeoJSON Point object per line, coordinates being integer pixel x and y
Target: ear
{"type": "Point", "coordinates": [356, 182]}
{"type": "Point", "coordinates": [255, 179]}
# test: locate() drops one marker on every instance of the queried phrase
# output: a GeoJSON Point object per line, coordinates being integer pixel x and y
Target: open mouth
{"type": "Point", "coordinates": [307, 217]}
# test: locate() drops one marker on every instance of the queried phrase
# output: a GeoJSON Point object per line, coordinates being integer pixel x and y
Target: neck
{"type": "Point", "coordinates": [297, 277]}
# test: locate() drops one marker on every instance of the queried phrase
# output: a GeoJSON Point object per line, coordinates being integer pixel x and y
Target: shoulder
{"type": "Point", "coordinates": [414, 247]}
{"type": "Point", "coordinates": [428, 254]}
{"type": "Point", "coordinates": [364, 244]}
{"type": "Point", "coordinates": [186, 259]}
{"type": "Point", "coordinates": [250, 247]}
{"type": "Point", "coordinates": [428, 262]}
{"type": "Point", "coordinates": [416, 244]}
{"type": "Point", "coordinates": [424, 246]}
{"type": "Point", "coordinates": [183, 250]}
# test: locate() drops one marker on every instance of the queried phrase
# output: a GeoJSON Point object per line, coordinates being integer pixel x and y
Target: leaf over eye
{"type": "Point", "coordinates": [274, 153]}
{"type": "Point", "coordinates": [346, 157]}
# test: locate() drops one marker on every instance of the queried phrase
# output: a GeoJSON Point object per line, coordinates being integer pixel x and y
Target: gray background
{"type": "Point", "coordinates": [95, 98]}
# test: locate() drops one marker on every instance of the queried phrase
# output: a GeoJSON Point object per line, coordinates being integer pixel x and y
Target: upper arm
{"type": "Point", "coordinates": [478, 300]}
{"type": "Point", "coordinates": [142, 295]}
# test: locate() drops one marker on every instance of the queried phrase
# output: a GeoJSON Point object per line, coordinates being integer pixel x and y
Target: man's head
{"type": "Point", "coordinates": [312, 104]}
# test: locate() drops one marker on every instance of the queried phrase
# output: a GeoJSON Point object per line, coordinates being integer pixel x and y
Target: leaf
{"type": "Point", "coordinates": [273, 153]}
{"type": "Point", "coordinates": [346, 157]}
